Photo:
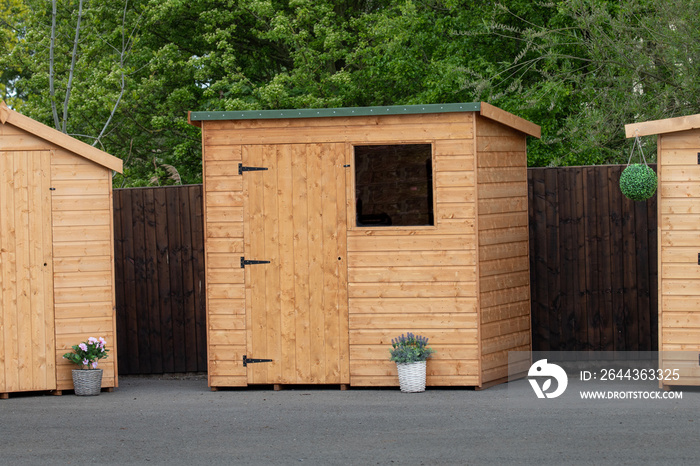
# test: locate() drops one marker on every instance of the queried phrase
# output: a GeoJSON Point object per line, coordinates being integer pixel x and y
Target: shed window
{"type": "Point", "coordinates": [394, 185]}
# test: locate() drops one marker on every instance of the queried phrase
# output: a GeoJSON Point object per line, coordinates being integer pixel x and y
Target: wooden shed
{"type": "Point", "coordinates": [56, 254]}
{"type": "Point", "coordinates": [375, 221]}
{"type": "Point", "coordinates": [678, 201]}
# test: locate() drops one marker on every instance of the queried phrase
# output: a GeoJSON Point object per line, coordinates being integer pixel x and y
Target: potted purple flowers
{"type": "Point", "coordinates": [410, 353]}
{"type": "Point", "coordinates": [87, 380]}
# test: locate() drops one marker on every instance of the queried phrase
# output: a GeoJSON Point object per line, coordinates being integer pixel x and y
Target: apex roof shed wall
{"type": "Point", "coordinates": [82, 249]}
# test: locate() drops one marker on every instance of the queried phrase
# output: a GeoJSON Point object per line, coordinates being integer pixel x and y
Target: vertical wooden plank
{"type": "Point", "coordinates": [538, 260]}
{"type": "Point", "coordinates": [9, 271]}
{"type": "Point", "coordinates": [341, 251]}
{"type": "Point", "coordinates": [196, 209]}
{"type": "Point", "coordinates": [316, 239]}
{"type": "Point", "coordinates": [4, 267]}
{"type": "Point", "coordinates": [272, 271]}
{"type": "Point", "coordinates": [120, 283]}
{"type": "Point", "coordinates": [300, 221]}
{"type": "Point", "coordinates": [331, 308]}
{"type": "Point", "coordinates": [255, 276]}
{"type": "Point", "coordinates": [617, 269]}
{"type": "Point", "coordinates": [568, 267]}
{"type": "Point", "coordinates": [640, 321]}
{"type": "Point", "coordinates": [24, 323]}
{"type": "Point", "coordinates": [139, 288]}
{"type": "Point", "coordinates": [164, 294]}
{"type": "Point", "coordinates": [190, 340]}
{"type": "Point", "coordinates": [151, 240]}
{"type": "Point", "coordinates": [553, 260]}
{"type": "Point", "coordinates": [286, 263]}
{"type": "Point", "coordinates": [652, 207]}
{"type": "Point", "coordinates": [129, 281]}
{"type": "Point", "coordinates": [602, 336]}
{"type": "Point", "coordinates": [37, 221]}
{"type": "Point", "coordinates": [176, 295]}
{"type": "Point", "coordinates": [580, 297]}
{"type": "Point", "coordinates": [46, 263]}
{"type": "Point", "coordinates": [629, 323]}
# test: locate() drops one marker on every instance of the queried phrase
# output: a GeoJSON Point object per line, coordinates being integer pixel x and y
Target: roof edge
{"type": "Point", "coordinates": [667, 125]}
{"type": "Point", "coordinates": [195, 118]}
{"type": "Point", "coordinates": [7, 115]}
{"type": "Point", "coordinates": [506, 118]}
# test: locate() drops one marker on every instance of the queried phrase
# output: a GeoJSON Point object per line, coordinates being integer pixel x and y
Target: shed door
{"type": "Point", "coordinates": [27, 347]}
{"type": "Point", "coordinates": [296, 306]}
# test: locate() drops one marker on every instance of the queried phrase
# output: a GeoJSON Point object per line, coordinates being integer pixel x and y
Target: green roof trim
{"type": "Point", "coordinates": [336, 112]}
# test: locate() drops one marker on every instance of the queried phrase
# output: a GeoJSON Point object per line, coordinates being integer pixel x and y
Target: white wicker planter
{"type": "Point", "coordinates": [87, 382]}
{"type": "Point", "coordinates": [412, 376]}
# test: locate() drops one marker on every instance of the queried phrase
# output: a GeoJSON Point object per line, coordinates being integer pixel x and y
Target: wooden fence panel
{"type": "Point", "coordinates": [593, 262]}
{"type": "Point", "coordinates": [159, 250]}
{"type": "Point", "coordinates": [593, 266]}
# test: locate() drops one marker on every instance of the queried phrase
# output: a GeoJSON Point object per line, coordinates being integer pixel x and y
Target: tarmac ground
{"type": "Point", "coordinates": [178, 420]}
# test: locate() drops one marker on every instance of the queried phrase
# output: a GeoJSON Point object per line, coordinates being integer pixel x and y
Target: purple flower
{"type": "Point", "coordinates": [83, 346]}
{"type": "Point", "coordinates": [85, 362]}
{"type": "Point", "coordinates": [94, 364]}
{"type": "Point", "coordinates": [92, 340]}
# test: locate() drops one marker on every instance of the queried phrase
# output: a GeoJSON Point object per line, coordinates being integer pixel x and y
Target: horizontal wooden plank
{"type": "Point", "coordinates": [680, 287]}
{"type": "Point", "coordinates": [221, 153]}
{"type": "Point", "coordinates": [507, 296]}
{"type": "Point", "coordinates": [409, 306]}
{"type": "Point", "coordinates": [680, 173]}
{"type": "Point", "coordinates": [81, 310]}
{"type": "Point", "coordinates": [95, 202]}
{"type": "Point", "coordinates": [504, 266]}
{"type": "Point", "coordinates": [81, 248]}
{"type": "Point", "coordinates": [502, 205]}
{"type": "Point", "coordinates": [79, 171]}
{"type": "Point", "coordinates": [680, 190]}
{"type": "Point", "coordinates": [81, 233]}
{"type": "Point", "coordinates": [454, 147]}
{"type": "Point", "coordinates": [411, 258]}
{"type": "Point", "coordinates": [679, 238]}
{"type": "Point", "coordinates": [226, 276]}
{"type": "Point", "coordinates": [689, 139]}
{"type": "Point", "coordinates": [461, 210]}
{"type": "Point", "coordinates": [65, 342]}
{"type": "Point", "coordinates": [225, 306]}
{"type": "Point", "coordinates": [454, 179]}
{"type": "Point", "coordinates": [501, 159]}
{"type": "Point", "coordinates": [401, 133]}
{"type": "Point", "coordinates": [677, 336]}
{"type": "Point", "coordinates": [497, 190]}
{"type": "Point", "coordinates": [486, 144]}
{"type": "Point", "coordinates": [679, 319]}
{"type": "Point", "coordinates": [411, 274]}
{"type": "Point", "coordinates": [505, 235]}
{"type": "Point", "coordinates": [503, 251]}
{"type": "Point", "coordinates": [224, 260]}
{"type": "Point", "coordinates": [504, 282]}
{"type": "Point", "coordinates": [445, 194]}
{"type": "Point", "coordinates": [226, 337]}
{"type": "Point", "coordinates": [220, 353]}
{"type": "Point", "coordinates": [81, 218]}
{"type": "Point", "coordinates": [680, 222]}
{"type": "Point", "coordinates": [224, 246]}
{"type": "Point", "coordinates": [83, 294]}
{"type": "Point", "coordinates": [95, 326]}
{"type": "Point", "coordinates": [83, 188]}
{"type": "Point", "coordinates": [410, 243]}
{"type": "Point", "coordinates": [454, 163]}
{"type": "Point", "coordinates": [223, 169]}
{"type": "Point", "coordinates": [226, 322]}
{"type": "Point", "coordinates": [225, 291]}
{"type": "Point", "coordinates": [82, 264]}
{"type": "Point", "coordinates": [505, 342]}
{"type": "Point", "coordinates": [503, 220]}
{"type": "Point", "coordinates": [505, 327]}
{"type": "Point", "coordinates": [681, 303]}
{"type": "Point", "coordinates": [685, 255]}
{"type": "Point", "coordinates": [226, 368]}
{"type": "Point", "coordinates": [411, 290]}
{"type": "Point", "coordinates": [673, 157]}
{"type": "Point", "coordinates": [682, 271]}
{"type": "Point", "coordinates": [224, 214]}
{"type": "Point", "coordinates": [434, 368]}
{"type": "Point", "coordinates": [442, 352]}
{"type": "Point", "coordinates": [431, 381]}
{"type": "Point", "coordinates": [443, 336]}
{"type": "Point", "coordinates": [504, 312]}
{"type": "Point", "coordinates": [358, 322]}
{"type": "Point", "coordinates": [679, 206]}
{"type": "Point", "coordinates": [501, 174]}
{"type": "Point", "coordinates": [224, 230]}
{"type": "Point", "coordinates": [96, 278]}
{"type": "Point", "coordinates": [228, 381]}
{"type": "Point", "coordinates": [223, 199]}
{"type": "Point", "coordinates": [233, 183]}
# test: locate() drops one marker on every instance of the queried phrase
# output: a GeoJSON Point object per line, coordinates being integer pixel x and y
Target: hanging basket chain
{"type": "Point", "coordinates": [637, 143]}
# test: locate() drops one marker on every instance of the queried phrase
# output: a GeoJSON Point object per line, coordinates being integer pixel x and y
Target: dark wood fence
{"type": "Point", "coordinates": [592, 260]}
{"type": "Point", "coordinates": [593, 263]}
{"type": "Point", "coordinates": [159, 255]}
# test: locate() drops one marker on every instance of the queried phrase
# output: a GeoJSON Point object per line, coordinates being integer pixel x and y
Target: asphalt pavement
{"type": "Point", "coordinates": [179, 421]}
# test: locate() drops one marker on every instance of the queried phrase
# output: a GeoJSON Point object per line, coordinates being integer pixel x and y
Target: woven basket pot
{"type": "Point", "coordinates": [412, 376]}
{"type": "Point", "coordinates": [87, 382]}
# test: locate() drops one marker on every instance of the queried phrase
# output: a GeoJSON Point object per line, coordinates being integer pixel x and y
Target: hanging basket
{"type": "Point", "coordinates": [412, 376]}
{"type": "Point", "coordinates": [638, 181]}
{"type": "Point", "coordinates": [87, 382]}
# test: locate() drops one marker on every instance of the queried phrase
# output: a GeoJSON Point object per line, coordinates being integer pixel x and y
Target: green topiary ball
{"type": "Point", "coordinates": [638, 182]}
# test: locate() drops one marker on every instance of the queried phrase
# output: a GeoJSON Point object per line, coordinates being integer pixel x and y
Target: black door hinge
{"type": "Point", "coordinates": [247, 360]}
{"type": "Point", "coordinates": [245, 262]}
{"type": "Point", "coordinates": [242, 169]}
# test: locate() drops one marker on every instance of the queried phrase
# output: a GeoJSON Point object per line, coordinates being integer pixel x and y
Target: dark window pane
{"type": "Point", "coordinates": [394, 185]}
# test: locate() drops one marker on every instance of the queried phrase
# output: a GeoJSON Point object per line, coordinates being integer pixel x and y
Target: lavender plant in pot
{"type": "Point", "coordinates": [410, 353]}
{"type": "Point", "coordinates": [87, 380]}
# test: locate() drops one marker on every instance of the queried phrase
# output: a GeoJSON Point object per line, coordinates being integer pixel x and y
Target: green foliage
{"type": "Point", "coordinates": [638, 182]}
{"type": "Point", "coordinates": [410, 348]}
{"type": "Point", "coordinates": [87, 353]}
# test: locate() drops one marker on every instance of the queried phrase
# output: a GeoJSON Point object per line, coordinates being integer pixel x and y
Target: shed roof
{"type": "Point", "coordinates": [9, 116]}
{"type": "Point", "coordinates": [668, 125]}
{"type": "Point", "coordinates": [484, 109]}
